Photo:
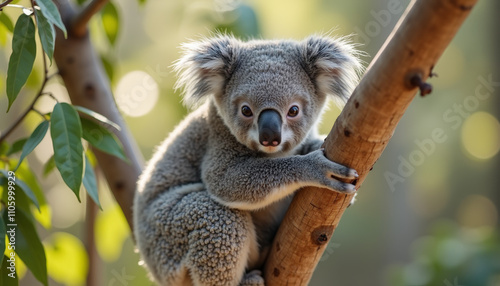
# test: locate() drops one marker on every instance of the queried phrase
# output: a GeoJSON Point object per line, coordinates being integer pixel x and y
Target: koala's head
{"type": "Point", "coordinates": [270, 94]}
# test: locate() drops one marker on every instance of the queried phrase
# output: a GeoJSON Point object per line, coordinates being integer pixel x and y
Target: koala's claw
{"type": "Point", "coordinates": [353, 173]}
{"type": "Point", "coordinates": [252, 278]}
{"type": "Point", "coordinates": [349, 188]}
{"type": "Point", "coordinates": [338, 170]}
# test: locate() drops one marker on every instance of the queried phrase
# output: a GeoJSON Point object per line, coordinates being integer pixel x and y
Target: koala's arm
{"type": "Point", "coordinates": [177, 160]}
{"type": "Point", "coordinates": [248, 182]}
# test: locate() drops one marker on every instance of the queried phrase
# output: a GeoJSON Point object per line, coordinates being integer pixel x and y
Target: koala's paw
{"type": "Point", "coordinates": [332, 171]}
{"type": "Point", "coordinates": [252, 278]}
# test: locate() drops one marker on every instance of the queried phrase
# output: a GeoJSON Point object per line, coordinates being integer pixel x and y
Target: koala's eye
{"type": "Point", "coordinates": [246, 111]}
{"type": "Point", "coordinates": [293, 111]}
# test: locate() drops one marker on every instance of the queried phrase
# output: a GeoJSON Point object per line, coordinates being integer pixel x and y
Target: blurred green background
{"type": "Point", "coordinates": [428, 214]}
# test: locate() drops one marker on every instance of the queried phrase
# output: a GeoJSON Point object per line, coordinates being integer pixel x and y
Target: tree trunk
{"type": "Point", "coordinates": [88, 86]}
{"type": "Point", "coordinates": [362, 131]}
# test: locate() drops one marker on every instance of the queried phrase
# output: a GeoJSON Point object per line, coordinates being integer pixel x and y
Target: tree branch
{"type": "Point", "coordinates": [362, 131]}
{"type": "Point", "coordinates": [79, 23]}
{"type": "Point", "coordinates": [5, 3]}
{"type": "Point", "coordinates": [88, 86]}
{"type": "Point", "coordinates": [31, 107]}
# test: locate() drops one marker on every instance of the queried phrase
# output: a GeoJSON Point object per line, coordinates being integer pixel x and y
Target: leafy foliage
{"type": "Point", "coordinates": [35, 139]}
{"type": "Point", "coordinates": [66, 133]}
{"type": "Point", "coordinates": [29, 247]}
{"type": "Point", "coordinates": [49, 10]}
{"type": "Point", "coordinates": [22, 202]}
{"type": "Point", "coordinates": [22, 57]}
{"type": "Point", "coordinates": [47, 34]}
{"type": "Point", "coordinates": [451, 255]}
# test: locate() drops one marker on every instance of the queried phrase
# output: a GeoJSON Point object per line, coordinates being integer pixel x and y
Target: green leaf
{"type": "Point", "coordinates": [2, 236]}
{"type": "Point", "coordinates": [35, 138]}
{"type": "Point", "coordinates": [110, 22]}
{"type": "Point", "coordinates": [28, 246]}
{"type": "Point", "coordinates": [25, 173]}
{"type": "Point", "coordinates": [22, 57]}
{"type": "Point", "coordinates": [102, 139]}
{"type": "Point", "coordinates": [66, 133]}
{"type": "Point", "coordinates": [47, 34]}
{"type": "Point", "coordinates": [97, 116]}
{"type": "Point", "coordinates": [28, 192]}
{"type": "Point", "coordinates": [8, 278]}
{"type": "Point", "coordinates": [49, 166]}
{"type": "Point", "coordinates": [141, 2]}
{"type": "Point", "coordinates": [51, 12]}
{"type": "Point", "coordinates": [22, 202]}
{"type": "Point", "coordinates": [5, 20]}
{"type": "Point", "coordinates": [90, 183]}
{"type": "Point", "coordinates": [17, 146]}
{"type": "Point", "coordinates": [19, 184]}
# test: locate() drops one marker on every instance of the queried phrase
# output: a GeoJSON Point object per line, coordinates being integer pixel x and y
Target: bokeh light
{"type": "Point", "coordinates": [136, 93]}
{"type": "Point", "coordinates": [477, 211]}
{"type": "Point", "coordinates": [481, 135]}
{"type": "Point", "coordinates": [67, 260]}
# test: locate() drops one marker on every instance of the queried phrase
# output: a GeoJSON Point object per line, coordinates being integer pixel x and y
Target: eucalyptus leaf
{"type": "Point", "coordinates": [25, 173]}
{"type": "Point", "coordinates": [19, 184]}
{"type": "Point", "coordinates": [66, 133]}
{"type": "Point", "coordinates": [5, 279]}
{"type": "Point", "coordinates": [47, 34]}
{"type": "Point", "coordinates": [2, 235]}
{"type": "Point", "coordinates": [97, 116]}
{"type": "Point", "coordinates": [29, 247]}
{"type": "Point", "coordinates": [28, 192]}
{"type": "Point", "coordinates": [22, 57]}
{"type": "Point", "coordinates": [50, 11]}
{"type": "Point", "coordinates": [35, 138]}
{"type": "Point", "coordinates": [5, 20]}
{"type": "Point", "coordinates": [17, 146]}
{"type": "Point", "coordinates": [102, 139]}
{"type": "Point", "coordinates": [22, 201]}
{"type": "Point", "coordinates": [90, 182]}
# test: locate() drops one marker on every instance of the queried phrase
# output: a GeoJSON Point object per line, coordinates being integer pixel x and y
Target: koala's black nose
{"type": "Point", "coordinates": [269, 128]}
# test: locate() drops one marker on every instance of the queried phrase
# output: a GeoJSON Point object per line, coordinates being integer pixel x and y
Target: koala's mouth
{"type": "Point", "coordinates": [282, 148]}
{"type": "Point", "coordinates": [270, 149]}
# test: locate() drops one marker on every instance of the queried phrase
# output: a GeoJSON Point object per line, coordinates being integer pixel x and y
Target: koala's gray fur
{"type": "Point", "coordinates": [214, 193]}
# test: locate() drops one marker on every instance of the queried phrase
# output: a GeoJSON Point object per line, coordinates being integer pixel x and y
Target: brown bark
{"type": "Point", "coordinates": [88, 86]}
{"type": "Point", "coordinates": [362, 131]}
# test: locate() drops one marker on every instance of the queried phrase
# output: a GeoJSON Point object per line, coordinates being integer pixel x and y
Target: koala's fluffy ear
{"type": "Point", "coordinates": [205, 66]}
{"type": "Point", "coordinates": [332, 65]}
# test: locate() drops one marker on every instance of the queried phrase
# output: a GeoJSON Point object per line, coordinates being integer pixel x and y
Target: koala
{"type": "Point", "coordinates": [213, 195]}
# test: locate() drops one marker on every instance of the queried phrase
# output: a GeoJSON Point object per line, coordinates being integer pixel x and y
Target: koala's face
{"type": "Point", "coordinates": [269, 93]}
{"type": "Point", "coordinates": [270, 103]}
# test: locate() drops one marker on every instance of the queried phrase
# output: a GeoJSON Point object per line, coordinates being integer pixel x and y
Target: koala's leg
{"type": "Point", "coordinates": [221, 243]}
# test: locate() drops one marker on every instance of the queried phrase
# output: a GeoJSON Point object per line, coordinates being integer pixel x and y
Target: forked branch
{"type": "Point", "coordinates": [79, 25]}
